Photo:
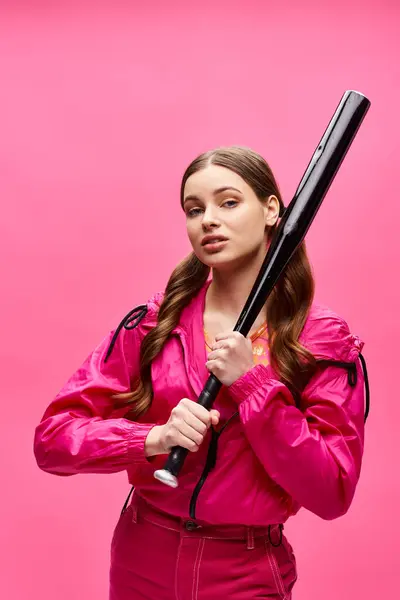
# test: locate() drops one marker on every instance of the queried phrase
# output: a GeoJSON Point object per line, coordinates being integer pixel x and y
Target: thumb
{"type": "Point", "coordinates": [214, 416]}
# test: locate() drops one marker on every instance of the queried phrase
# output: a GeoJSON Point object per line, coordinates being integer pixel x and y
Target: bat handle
{"type": "Point", "coordinates": [172, 467]}
{"type": "Point", "coordinates": [169, 474]}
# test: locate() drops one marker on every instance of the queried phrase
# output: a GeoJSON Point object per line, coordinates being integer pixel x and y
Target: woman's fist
{"type": "Point", "coordinates": [186, 427]}
{"type": "Point", "coordinates": [231, 357]}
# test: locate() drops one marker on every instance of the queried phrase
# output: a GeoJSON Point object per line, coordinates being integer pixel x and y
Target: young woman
{"type": "Point", "coordinates": [286, 431]}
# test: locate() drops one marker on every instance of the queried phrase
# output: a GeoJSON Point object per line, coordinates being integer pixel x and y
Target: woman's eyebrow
{"type": "Point", "coordinates": [215, 192]}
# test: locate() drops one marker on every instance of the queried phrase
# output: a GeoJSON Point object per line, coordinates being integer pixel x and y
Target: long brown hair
{"type": "Point", "coordinates": [287, 305]}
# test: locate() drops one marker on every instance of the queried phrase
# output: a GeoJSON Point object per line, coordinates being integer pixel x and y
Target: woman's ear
{"type": "Point", "coordinates": [271, 211]}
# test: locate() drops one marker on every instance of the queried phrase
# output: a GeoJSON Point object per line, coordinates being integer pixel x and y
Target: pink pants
{"type": "Point", "coordinates": [158, 557]}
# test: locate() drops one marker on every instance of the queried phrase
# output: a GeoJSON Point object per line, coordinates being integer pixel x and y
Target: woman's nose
{"type": "Point", "coordinates": [210, 219]}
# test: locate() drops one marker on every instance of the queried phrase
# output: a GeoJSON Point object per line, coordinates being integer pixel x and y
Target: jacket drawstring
{"type": "Point", "coordinates": [127, 500]}
{"type": "Point", "coordinates": [367, 392]}
{"type": "Point", "coordinates": [351, 369]}
{"type": "Point", "coordinates": [131, 321]}
{"type": "Point", "coordinates": [210, 464]}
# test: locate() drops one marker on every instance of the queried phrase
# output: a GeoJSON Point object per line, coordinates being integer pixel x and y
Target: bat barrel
{"type": "Point", "coordinates": [309, 195]}
{"type": "Point", "coordinates": [293, 227]}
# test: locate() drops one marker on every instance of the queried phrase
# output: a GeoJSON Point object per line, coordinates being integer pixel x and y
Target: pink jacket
{"type": "Point", "coordinates": [272, 457]}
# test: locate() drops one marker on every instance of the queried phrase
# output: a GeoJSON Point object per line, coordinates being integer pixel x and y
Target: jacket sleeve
{"type": "Point", "coordinates": [313, 452]}
{"type": "Point", "coordinates": [77, 433]}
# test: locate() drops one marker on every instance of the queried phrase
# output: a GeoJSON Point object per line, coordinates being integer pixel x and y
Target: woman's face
{"type": "Point", "coordinates": [226, 222]}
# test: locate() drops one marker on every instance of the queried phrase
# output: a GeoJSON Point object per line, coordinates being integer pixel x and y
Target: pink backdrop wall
{"type": "Point", "coordinates": [102, 105]}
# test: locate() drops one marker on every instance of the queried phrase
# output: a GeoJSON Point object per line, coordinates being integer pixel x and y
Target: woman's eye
{"type": "Point", "coordinates": [230, 203]}
{"type": "Point", "coordinates": [193, 212]}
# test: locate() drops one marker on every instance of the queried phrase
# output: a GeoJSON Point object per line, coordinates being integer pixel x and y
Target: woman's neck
{"type": "Point", "coordinates": [228, 292]}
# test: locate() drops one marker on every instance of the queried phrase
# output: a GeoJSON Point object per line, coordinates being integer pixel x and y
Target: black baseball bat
{"type": "Point", "coordinates": [291, 231]}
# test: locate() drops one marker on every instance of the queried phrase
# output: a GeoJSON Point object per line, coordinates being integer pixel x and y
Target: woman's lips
{"type": "Point", "coordinates": [214, 246]}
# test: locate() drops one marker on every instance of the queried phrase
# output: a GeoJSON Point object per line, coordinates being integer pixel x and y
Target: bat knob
{"type": "Point", "coordinates": [166, 477]}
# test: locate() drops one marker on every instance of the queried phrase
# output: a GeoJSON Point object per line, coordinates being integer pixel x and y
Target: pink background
{"type": "Point", "coordinates": [102, 105]}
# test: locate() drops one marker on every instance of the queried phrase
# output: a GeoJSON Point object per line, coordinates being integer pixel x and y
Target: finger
{"type": "Point", "coordinates": [195, 423]}
{"type": "Point", "coordinates": [187, 443]}
{"type": "Point", "coordinates": [212, 362]}
{"type": "Point", "coordinates": [224, 335]}
{"type": "Point", "coordinates": [229, 336]}
{"type": "Point", "coordinates": [226, 343]}
{"type": "Point", "coordinates": [215, 354]}
{"type": "Point", "coordinates": [215, 366]}
{"type": "Point", "coordinates": [197, 410]}
{"type": "Point", "coordinates": [189, 432]}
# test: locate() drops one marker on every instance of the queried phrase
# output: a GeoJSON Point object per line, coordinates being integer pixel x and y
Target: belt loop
{"type": "Point", "coordinates": [250, 538]}
{"type": "Point", "coordinates": [280, 529]}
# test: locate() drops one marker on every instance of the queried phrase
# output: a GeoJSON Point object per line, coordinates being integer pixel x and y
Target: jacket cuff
{"type": "Point", "coordinates": [136, 440]}
{"type": "Point", "coordinates": [249, 383]}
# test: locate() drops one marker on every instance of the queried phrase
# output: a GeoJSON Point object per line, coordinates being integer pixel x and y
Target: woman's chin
{"type": "Point", "coordinates": [219, 261]}
{"type": "Point", "coordinates": [225, 262]}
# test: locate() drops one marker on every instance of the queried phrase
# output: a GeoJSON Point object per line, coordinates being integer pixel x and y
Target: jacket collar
{"type": "Point", "coordinates": [325, 334]}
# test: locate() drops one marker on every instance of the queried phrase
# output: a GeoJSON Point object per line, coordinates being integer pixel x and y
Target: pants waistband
{"type": "Point", "coordinates": [189, 528]}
